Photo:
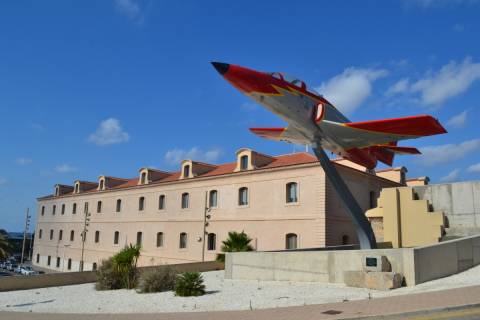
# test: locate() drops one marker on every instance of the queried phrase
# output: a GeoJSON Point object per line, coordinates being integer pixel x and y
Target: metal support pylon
{"type": "Point", "coordinates": [365, 234]}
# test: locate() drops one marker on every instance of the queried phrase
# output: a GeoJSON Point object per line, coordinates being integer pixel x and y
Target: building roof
{"type": "Point", "coordinates": [299, 158]}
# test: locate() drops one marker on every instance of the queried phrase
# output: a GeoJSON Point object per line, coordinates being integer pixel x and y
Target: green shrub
{"type": "Point", "coordinates": [236, 242]}
{"type": "Point", "coordinates": [189, 284]}
{"type": "Point", "coordinates": [157, 280]}
{"type": "Point", "coordinates": [126, 263]}
{"type": "Point", "coordinates": [120, 271]}
{"type": "Point", "coordinates": [108, 277]}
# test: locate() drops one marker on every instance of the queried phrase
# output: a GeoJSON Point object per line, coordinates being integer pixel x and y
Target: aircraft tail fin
{"type": "Point", "coordinates": [386, 153]}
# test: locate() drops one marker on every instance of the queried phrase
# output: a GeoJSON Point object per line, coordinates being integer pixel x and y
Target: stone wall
{"type": "Point", "coordinates": [460, 202]}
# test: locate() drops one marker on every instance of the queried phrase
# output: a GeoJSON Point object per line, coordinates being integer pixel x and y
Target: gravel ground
{"type": "Point", "coordinates": [222, 295]}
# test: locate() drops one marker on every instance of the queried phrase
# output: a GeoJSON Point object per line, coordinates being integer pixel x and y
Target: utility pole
{"type": "Point", "coordinates": [206, 217]}
{"type": "Point", "coordinates": [31, 247]}
{"type": "Point", "coordinates": [86, 223]}
{"type": "Point", "coordinates": [27, 225]}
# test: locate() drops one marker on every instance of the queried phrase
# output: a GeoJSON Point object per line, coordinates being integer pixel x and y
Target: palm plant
{"type": "Point", "coordinates": [5, 246]}
{"type": "Point", "coordinates": [236, 242]}
{"type": "Point", "coordinates": [125, 262]}
{"type": "Point", "coordinates": [189, 284]}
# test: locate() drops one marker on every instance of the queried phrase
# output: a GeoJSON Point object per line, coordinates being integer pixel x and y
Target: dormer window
{"type": "Point", "coordinates": [143, 178]}
{"type": "Point", "coordinates": [102, 185]}
{"type": "Point", "coordinates": [57, 191]}
{"type": "Point", "coordinates": [77, 187]}
{"type": "Point", "coordinates": [186, 171]}
{"type": "Point", "coordinates": [244, 162]}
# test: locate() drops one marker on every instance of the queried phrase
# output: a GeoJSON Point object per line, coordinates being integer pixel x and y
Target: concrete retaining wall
{"type": "Point", "coordinates": [319, 266]}
{"type": "Point", "coordinates": [70, 278]}
{"type": "Point", "coordinates": [417, 265]}
{"type": "Point", "coordinates": [446, 258]}
{"type": "Point", "coordinates": [460, 202]}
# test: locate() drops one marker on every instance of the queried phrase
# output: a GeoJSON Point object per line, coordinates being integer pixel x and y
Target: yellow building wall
{"type": "Point", "coordinates": [407, 222]}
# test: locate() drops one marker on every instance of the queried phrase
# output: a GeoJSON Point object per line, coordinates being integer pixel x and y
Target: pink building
{"type": "Point", "coordinates": [281, 202]}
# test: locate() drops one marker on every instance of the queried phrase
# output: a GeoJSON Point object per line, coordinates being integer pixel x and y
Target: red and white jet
{"type": "Point", "coordinates": [314, 121]}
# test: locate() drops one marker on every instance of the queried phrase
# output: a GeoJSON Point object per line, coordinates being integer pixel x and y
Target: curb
{"type": "Point", "coordinates": [397, 316]}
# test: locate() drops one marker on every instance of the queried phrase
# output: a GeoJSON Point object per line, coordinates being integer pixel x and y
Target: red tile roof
{"type": "Point", "coordinates": [223, 169]}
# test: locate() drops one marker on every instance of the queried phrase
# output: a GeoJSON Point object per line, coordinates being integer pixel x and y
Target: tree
{"type": "Point", "coordinates": [236, 242]}
{"type": "Point", "coordinates": [5, 246]}
{"type": "Point", "coordinates": [126, 264]}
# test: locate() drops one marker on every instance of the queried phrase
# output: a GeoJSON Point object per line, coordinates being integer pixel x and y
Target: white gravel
{"type": "Point", "coordinates": [222, 295]}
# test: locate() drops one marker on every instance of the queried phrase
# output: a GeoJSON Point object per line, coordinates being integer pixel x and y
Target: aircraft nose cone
{"type": "Point", "coordinates": [222, 68]}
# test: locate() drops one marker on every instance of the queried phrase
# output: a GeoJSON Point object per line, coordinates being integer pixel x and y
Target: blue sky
{"type": "Point", "coordinates": [106, 87]}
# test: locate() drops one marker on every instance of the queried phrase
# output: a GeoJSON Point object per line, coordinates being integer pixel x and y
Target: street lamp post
{"type": "Point", "coordinates": [86, 223]}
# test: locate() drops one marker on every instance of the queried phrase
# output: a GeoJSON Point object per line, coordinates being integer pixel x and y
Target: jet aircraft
{"type": "Point", "coordinates": [314, 121]}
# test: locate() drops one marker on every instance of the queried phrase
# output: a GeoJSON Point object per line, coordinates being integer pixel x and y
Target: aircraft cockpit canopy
{"type": "Point", "coordinates": [293, 80]}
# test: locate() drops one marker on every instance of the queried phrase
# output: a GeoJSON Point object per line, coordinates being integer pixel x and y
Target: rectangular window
{"type": "Point", "coordinates": [40, 234]}
{"type": "Point", "coordinates": [74, 208]}
{"type": "Point", "coordinates": [51, 234]}
{"type": "Point", "coordinates": [212, 241]}
{"type": "Point", "coordinates": [54, 208]}
{"type": "Point", "coordinates": [161, 202]}
{"type": "Point", "coordinates": [97, 236]}
{"type": "Point", "coordinates": [183, 240]}
{"type": "Point", "coordinates": [244, 162]}
{"type": "Point", "coordinates": [159, 239]}
{"type": "Point", "coordinates": [185, 200]}
{"type": "Point", "coordinates": [43, 210]}
{"type": "Point", "coordinates": [58, 262]}
{"type": "Point", "coordinates": [243, 196]}
{"type": "Point", "coordinates": [116, 237]}
{"type": "Point", "coordinates": [186, 171]}
{"type": "Point", "coordinates": [63, 208]}
{"type": "Point", "coordinates": [60, 235]}
{"type": "Point", "coordinates": [139, 238]}
{"type": "Point", "coordinates": [69, 265]}
{"type": "Point", "coordinates": [99, 206]}
{"type": "Point", "coordinates": [38, 258]}
{"type": "Point", "coordinates": [85, 207]}
{"type": "Point", "coordinates": [119, 205]}
{"type": "Point", "coordinates": [212, 200]}
{"type": "Point", "coordinates": [49, 260]}
{"type": "Point", "coordinates": [141, 203]}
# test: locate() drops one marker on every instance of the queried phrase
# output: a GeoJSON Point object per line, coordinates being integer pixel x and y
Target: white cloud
{"type": "Point", "coordinates": [399, 87]}
{"type": "Point", "coordinates": [23, 161]}
{"type": "Point", "coordinates": [175, 156]}
{"type": "Point", "coordinates": [130, 9]}
{"type": "Point", "coordinates": [433, 155]}
{"type": "Point", "coordinates": [3, 181]}
{"type": "Point", "coordinates": [436, 87]}
{"type": "Point", "coordinates": [109, 132]}
{"type": "Point", "coordinates": [65, 168]}
{"type": "Point", "coordinates": [349, 89]}
{"type": "Point", "coordinates": [452, 176]}
{"type": "Point", "coordinates": [475, 168]}
{"type": "Point", "coordinates": [458, 120]}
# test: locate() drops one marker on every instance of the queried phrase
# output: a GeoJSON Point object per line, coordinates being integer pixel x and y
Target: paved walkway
{"type": "Point", "coordinates": [353, 309]}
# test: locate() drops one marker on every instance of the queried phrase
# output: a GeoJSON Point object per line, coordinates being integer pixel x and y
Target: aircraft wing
{"type": "Point", "coordinates": [288, 134]}
{"type": "Point", "coordinates": [381, 132]}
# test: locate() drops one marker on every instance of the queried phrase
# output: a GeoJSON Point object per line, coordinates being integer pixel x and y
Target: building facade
{"type": "Point", "coordinates": [282, 202]}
